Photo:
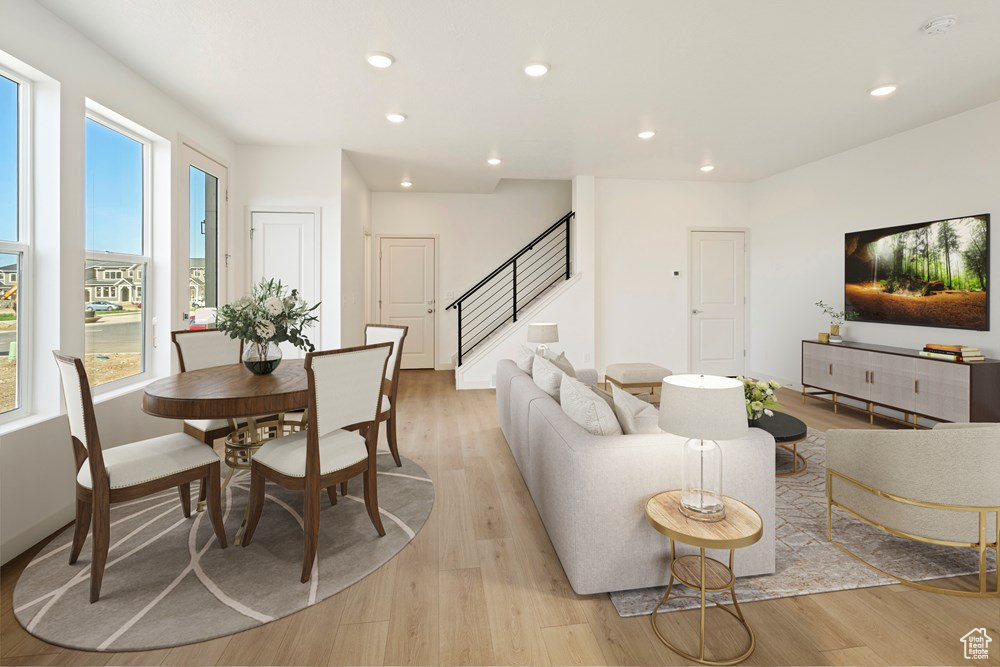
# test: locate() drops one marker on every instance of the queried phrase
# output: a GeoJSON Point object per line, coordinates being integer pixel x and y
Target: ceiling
{"type": "Point", "coordinates": [753, 87]}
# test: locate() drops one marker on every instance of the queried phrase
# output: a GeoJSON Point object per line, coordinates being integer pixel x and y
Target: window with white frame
{"type": "Point", "coordinates": [14, 239]}
{"type": "Point", "coordinates": [118, 242]}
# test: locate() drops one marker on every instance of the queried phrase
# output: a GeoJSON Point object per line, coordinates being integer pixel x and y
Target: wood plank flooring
{"type": "Point", "coordinates": [481, 584]}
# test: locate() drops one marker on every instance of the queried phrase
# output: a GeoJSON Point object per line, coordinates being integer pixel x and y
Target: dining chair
{"type": "Point", "coordinates": [344, 406]}
{"type": "Point", "coordinates": [204, 348]}
{"type": "Point", "coordinates": [126, 472]}
{"type": "Point", "coordinates": [382, 333]}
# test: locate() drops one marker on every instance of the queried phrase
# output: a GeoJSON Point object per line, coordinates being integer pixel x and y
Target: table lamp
{"type": "Point", "coordinates": [703, 408]}
{"type": "Point", "coordinates": [542, 333]}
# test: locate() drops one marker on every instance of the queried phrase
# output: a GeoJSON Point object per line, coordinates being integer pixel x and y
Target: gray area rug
{"type": "Point", "coordinates": [805, 562]}
{"type": "Point", "coordinates": [167, 582]}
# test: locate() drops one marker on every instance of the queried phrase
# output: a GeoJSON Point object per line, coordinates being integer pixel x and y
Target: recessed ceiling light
{"type": "Point", "coordinates": [406, 184]}
{"type": "Point", "coordinates": [380, 59]}
{"type": "Point", "coordinates": [707, 167]}
{"type": "Point", "coordinates": [646, 134]}
{"type": "Point", "coordinates": [536, 69]}
{"type": "Point", "coordinates": [494, 161]}
{"type": "Point", "coordinates": [394, 117]}
{"type": "Point", "coordinates": [940, 25]}
{"type": "Point", "coordinates": [883, 90]}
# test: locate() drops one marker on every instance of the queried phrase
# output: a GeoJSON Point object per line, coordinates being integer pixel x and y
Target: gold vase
{"type": "Point", "coordinates": [834, 329]}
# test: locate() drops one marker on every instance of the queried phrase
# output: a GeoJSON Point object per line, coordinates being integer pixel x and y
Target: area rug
{"type": "Point", "coordinates": [167, 582]}
{"type": "Point", "coordinates": [805, 562]}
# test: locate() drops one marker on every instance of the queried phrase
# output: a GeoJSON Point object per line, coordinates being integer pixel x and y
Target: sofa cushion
{"type": "Point", "coordinates": [634, 414]}
{"type": "Point", "coordinates": [560, 361]}
{"type": "Point", "coordinates": [587, 408]}
{"type": "Point", "coordinates": [547, 376]}
{"type": "Point", "coordinates": [523, 357]}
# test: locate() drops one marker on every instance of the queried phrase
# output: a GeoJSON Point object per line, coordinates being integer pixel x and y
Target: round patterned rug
{"type": "Point", "coordinates": [168, 583]}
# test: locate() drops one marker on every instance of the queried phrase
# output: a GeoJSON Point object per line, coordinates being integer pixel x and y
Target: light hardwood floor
{"type": "Point", "coordinates": [481, 584]}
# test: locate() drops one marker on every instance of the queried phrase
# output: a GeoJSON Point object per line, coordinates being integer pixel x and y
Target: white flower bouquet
{"type": "Point", "coordinates": [271, 314]}
{"type": "Point", "coordinates": [760, 397]}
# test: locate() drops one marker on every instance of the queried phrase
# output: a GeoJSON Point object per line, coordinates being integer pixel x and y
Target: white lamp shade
{"type": "Point", "coordinates": [707, 407]}
{"type": "Point", "coordinates": [543, 333]}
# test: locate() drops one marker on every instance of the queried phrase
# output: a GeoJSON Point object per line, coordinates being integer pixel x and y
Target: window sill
{"type": "Point", "coordinates": [119, 391]}
{"type": "Point", "coordinates": [19, 423]}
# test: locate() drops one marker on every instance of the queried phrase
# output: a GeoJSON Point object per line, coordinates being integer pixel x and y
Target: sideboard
{"type": "Point", "coordinates": [902, 380]}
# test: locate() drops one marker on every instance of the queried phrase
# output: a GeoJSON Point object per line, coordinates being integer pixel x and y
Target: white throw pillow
{"type": "Point", "coordinates": [523, 358]}
{"type": "Point", "coordinates": [634, 414]}
{"type": "Point", "coordinates": [547, 376]}
{"type": "Point", "coordinates": [560, 361]}
{"type": "Point", "coordinates": [587, 408]}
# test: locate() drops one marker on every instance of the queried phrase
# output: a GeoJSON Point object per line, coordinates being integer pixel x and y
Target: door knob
{"type": "Point", "coordinates": [430, 310]}
{"type": "Point", "coordinates": [695, 312]}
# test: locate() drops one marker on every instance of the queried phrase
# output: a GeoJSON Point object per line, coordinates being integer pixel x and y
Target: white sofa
{"type": "Point", "coordinates": [591, 491]}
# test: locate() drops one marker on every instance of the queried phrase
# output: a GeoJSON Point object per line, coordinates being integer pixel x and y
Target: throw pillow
{"type": "Point", "coordinates": [547, 376]}
{"type": "Point", "coordinates": [523, 358]}
{"type": "Point", "coordinates": [605, 396]}
{"type": "Point", "coordinates": [587, 408]}
{"type": "Point", "coordinates": [560, 361]}
{"type": "Point", "coordinates": [634, 414]}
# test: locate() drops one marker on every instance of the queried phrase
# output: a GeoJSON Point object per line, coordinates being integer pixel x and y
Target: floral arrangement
{"type": "Point", "coordinates": [271, 314]}
{"type": "Point", "coordinates": [837, 317]}
{"type": "Point", "coordinates": [760, 397]}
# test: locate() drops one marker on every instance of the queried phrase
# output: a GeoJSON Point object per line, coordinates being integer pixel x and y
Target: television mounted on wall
{"type": "Point", "coordinates": [933, 274]}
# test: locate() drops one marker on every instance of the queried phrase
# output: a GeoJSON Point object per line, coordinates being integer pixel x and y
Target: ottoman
{"type": "Point", "coordinates": [636, 376]}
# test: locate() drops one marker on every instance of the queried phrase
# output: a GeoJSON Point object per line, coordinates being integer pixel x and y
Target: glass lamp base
{"type": "Point", "coordinates": [702, 506]}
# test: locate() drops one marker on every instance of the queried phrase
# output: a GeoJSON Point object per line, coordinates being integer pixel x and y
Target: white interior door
{"type": "Point", "coordinates": [406, 295]}
{"type": "Point", "coordinates": [285, 247]}
{"type": "Point", "coordinates": [718, 302]}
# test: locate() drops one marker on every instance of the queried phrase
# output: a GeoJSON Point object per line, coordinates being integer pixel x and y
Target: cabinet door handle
{"type": "Point", "coordinates": [873, 377]}
{"type": "Point", "coordinates": [831, 369]}
{"type": "Point", "coordinates": [916, 386]}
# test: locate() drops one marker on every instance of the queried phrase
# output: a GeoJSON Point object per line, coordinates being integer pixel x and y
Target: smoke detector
{"type": "Point", "coordinates": [940, 25]}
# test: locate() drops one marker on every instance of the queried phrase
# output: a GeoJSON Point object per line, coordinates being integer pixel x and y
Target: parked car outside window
{"type": "Point", "coordinates": [102, 305]}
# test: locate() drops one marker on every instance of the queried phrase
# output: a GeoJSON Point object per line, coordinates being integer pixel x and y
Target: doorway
{"type": "Point", "coordinates": [406, 294]}
{"type": "Point", "coordinates": [718, 330]}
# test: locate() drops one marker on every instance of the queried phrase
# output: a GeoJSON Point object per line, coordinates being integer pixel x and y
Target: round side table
{"type": "Point", "coordinates": [741, 527]}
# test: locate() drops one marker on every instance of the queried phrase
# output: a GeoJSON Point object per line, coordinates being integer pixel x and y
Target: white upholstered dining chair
{"type": "Point", "coordinates": [382, 333]}
{"type": "Point", "coordinates": [344, 403]}
{"type": "Point", "coordinates": [126, 472]}
{"type": "Point", "coordinates": [205, 348]}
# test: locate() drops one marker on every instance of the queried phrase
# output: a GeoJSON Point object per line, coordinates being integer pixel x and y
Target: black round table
{"type": "Point", "coordinates": [788, 432]}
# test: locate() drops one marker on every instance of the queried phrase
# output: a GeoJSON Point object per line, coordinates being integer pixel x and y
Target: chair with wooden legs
{"type": "Point", "coordinates": [382, 333]}
{"type": "Point", "coordinates": [344, 402]}
{"type": "Point", "coordinates": [126, 472]}
{"type": "Point", "coordinates": [204, 348]}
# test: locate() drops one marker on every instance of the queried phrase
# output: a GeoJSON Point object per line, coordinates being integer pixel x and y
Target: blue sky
{"type": "Point", "coordinates": [8, 159]}
{"type": "Point", "coordinates": [114, 191]}
{"type": "Point", "coordinates": [197, 211]}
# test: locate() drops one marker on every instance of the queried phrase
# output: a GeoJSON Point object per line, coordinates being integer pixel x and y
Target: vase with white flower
{"type": "Point", "coordinates": [760, 397]}
{"type": "Point", "coordinates": [271, 314]}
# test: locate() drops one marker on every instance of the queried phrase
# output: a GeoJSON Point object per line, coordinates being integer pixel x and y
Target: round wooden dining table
{"type": "Point", "coordinates": [232, 392]}
{"type": "Point", "coordinates": [223, 392]}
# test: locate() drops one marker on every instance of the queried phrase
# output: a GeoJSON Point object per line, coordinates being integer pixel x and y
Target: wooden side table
{"type": "Point", "coordinates": [741, 527]}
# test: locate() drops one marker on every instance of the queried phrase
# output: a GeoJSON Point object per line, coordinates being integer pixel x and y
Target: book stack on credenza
{"type": "Point", "coordinates": [952, 352]}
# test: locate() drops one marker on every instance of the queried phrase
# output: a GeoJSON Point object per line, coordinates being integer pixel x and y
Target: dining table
{"type": "Point", "coordinates": [232, 392]}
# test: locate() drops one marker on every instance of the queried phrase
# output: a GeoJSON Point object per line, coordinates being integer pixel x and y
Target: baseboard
{"type": "Point", "coordinates": [18, 544]}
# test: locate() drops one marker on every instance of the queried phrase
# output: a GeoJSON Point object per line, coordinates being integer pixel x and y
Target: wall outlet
{"type": "Point", "coordinates": [586, 357]}
{"type": "Point", "coordinates": [449, 296]}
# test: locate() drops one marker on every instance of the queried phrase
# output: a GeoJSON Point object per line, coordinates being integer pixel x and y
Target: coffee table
{"type": "Point", "coordinates": [741, 527]}
{"type": "Point", "coordinates": [788, 432]}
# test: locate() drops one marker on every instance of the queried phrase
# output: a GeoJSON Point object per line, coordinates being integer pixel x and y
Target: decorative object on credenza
{"type": "Point", "coordinates": [541, 333]}
{"type": "Point", "coordinates": [760, 397]}
{"type": "Point", "coordinates": [952, 352]}
{"type": "Point", "coordinates": [272, 314]}
{"type": "Point", "coordinates": [837, 319]}
{"type": "Point", "coordinates": [703, 408]}
{"type": "Point", "coordinates": [926, 274]}
{"type": "Point", "coordinates": [823, 337]}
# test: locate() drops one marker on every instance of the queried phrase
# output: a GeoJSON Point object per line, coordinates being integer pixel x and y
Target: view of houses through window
{"type": "Point", "coordinates": [117, 254]}
{"type": "Point", "coordinates": [204, 239]}
{"type": "Point", "coordinates": [11, 245]}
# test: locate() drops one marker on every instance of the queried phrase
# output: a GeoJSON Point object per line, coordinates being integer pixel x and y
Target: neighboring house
{"type": "Point", "coordinates": [117, 283]}
{"type": "Point", "coordinates": [196, 282]}
{"type": "Point", "coordinates": [8, 279]}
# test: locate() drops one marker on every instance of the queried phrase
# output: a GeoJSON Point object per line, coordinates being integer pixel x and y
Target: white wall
{"type": "Point", "coordinates": [477, 233]}
{"type": "Point", "coordinates": [642, 237]}
{"type": "Point", "coordinates": [941, 170]}
{"type": "Point", "coordinates": [36, 477]}
{"type": "Point", "coordinates": [355, 222]}
{"type": "Point", "coordinates": [297, 178]}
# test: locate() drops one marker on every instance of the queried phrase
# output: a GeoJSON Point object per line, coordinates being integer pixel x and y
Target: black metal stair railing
{"type": "Point", "coordinates": [507, 290]}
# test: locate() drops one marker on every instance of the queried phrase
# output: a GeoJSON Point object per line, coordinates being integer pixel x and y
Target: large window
{"type": "Point", "coordinates": [13, 240]}
{"type": "Point", "coordinates": [204, 240]}
{"type": "Point", "coordinates": [117, 252]}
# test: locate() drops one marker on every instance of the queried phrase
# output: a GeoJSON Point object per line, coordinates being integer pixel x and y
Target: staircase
{"type": "Point", "coordinates": [497, 299]}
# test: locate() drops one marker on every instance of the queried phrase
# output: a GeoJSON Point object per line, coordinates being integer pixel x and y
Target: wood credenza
{"type": "Point", "coordinates": [902, 380]}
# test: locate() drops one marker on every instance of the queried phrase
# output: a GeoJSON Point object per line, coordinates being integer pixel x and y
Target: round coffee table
{"type": "Point", "coordinates": [788, 432]}
{"type": "Point", "coordinates": [741, 527]}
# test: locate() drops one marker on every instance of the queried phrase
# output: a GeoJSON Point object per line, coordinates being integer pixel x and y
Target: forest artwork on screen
{"type": "Point", "coordinates": [928, 274]}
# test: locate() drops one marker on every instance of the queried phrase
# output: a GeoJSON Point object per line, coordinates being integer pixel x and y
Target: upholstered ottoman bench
{"type": "Point", "coordinates": [636, 376]}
